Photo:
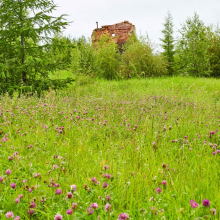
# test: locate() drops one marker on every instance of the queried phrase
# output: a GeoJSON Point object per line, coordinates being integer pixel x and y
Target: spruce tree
{"type": "Point", "coordinates": [26, 28]}
{"type": "Point", "coordinates": [168, 42]}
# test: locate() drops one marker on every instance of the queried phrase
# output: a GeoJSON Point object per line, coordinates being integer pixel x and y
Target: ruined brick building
{"type": "Point", "coordinates": [119, 32]}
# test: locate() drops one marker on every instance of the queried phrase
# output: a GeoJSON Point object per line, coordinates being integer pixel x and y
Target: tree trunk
{"type": "Point", "coordinates": [23, 59]}
{"type": "Point", "coordinates": [24, 74]}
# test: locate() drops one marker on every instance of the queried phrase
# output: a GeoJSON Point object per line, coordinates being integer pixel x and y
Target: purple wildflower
{"type": "Point", "coordinates": [206, 202]}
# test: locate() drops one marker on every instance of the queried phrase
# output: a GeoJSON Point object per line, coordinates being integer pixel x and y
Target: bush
{"type": "Point", "coordinates": [139, 60]}
{"type": "Point", "coordinates": [102, 59]}
{"type": "Point", "coordinates": [108, 59]}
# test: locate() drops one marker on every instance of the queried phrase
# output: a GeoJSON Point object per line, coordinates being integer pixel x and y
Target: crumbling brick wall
{"type": "Point", "coordinates": [119, 32]}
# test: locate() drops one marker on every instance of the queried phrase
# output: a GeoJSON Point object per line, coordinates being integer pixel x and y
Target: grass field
{"type": "Point", "coordinates": [148, 148]}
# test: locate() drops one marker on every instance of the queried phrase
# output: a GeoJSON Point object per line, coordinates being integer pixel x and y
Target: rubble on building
{"type": "Point", "coordinates": [119, 32]}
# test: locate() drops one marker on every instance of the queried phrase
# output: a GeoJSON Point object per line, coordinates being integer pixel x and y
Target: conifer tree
{"type": "Point", "coordinates": [25, 37]}
{"type": "Point", "coordinates": [168, 42]}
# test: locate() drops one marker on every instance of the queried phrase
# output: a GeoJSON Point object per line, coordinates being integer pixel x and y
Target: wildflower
{"type": "Point", "coordinates": [206, 202]}
{"type": "Point", "coordinates": [1, 179]}
{"type": "Point", "coordinates": [73, 187]}
{"type": "Point", "coordinates": [58, 191]}
{"type": "Point", "coordinates": [164, 182]}
{"type": "Point", "coordinates": [15, 154]}
{"type": "Point", "coordinates": [107, 207]}
{"type": "Point", "coordinates": [17, 218]}
{"type": "Point", "coordinates": [10, 158]}
{"type": "Point", "coordinates": [104, 185]}
{"type": "Point", "coordinates": [30, 190]}
{"type": "Point", "coordinates": [24, 181]}
{"type": "Point", "coordinates": [151, 199]}
{"type": "Point", "coordinates": [107, 197]}
{"type": "Point", "coordinates": [158, 190]}
{"type": "Point", "coordinates": [212, 211]}
{"type": "Point", "coordinates": [69, 212]}
{"type": "Point", "coordinates": [58, 217]}
{"type": "Point", "coordinates": [56, 185]}
{"type": "Point", "coordinates": [123, 216]}
{"type": "Point", "coordinates": [36, 175]}
{"type": "Point", "coordinates": [13, 185]}
{"type": "Point", "coordinates": [74, 206]}
{"type": "Point", "coordinates": [94, 206]}
{"type": "Point", "coordinates": [106, 167]}
{"type": "Point", "coordinates": [55, 167]}
{"type": "Point", "coordinates": [9, 215]}
{"type": "Point", "coordinates": [69, 195]}
{"type": "Point", "coordinates": [20, 196]}
{"type": "Point", "coordinates": [163, 165]}
{"type": "Point", "coordinates": [186, 137]}
{"type": "Point", "coordinates": [194, 205]}
{"type": "Point", "coordinates": [8, 171]}
{"type": "Point", "coordinates": [43, 199]}
{"type": "Point", "coordinates": [192, 201]}
{"type": "Point", "coordinates": [90, 211]}
{"type": "Point", "coordinates": [30, 211]}
{"type": "Point", "coordinates": [153, 210]}
{"type": "Point", "coordinates": [105, 175]}
{"type": "Point", "coordinates": [17, 200]}
{"type": "Point", "coordinates": [94, 180]}
{"type": "Point", "coordinates": [33, 205]}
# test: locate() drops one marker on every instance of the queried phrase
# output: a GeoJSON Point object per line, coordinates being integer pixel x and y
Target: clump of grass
{"type": "Point", "coordinates": [137, 149]}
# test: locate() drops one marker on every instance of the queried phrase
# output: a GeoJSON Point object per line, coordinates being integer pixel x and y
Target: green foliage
{"type": "Point", "coordinates": [102, 59]}
{"type": "Point", "coordinates": [193, 48]}
{"type": "Point", "coordinates": [107, 58]}
{"type": "Point", "coordinates": [83, 60]}
{"type": "Point", "coordinates": [214, 52]}
{"type": "Point", "coordinates": [146, 131]}
{"type": "Point", "coordinates": [139, 60]}
{"type": "Point", "coordinates": [168, 42]}
{"type": "Point", "coordinates": [37, 86]}
{"type": "Point", "coordinates": [25, 41]}
{"type": "Point", "coordinates": [61, 49]}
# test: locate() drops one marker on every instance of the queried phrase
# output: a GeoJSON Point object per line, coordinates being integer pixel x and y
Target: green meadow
{"type": "Point", "coordinates": [148, 148]}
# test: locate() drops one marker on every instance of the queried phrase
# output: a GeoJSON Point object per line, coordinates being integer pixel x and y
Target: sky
{"type": "Point", "coordinates": [148, 16]}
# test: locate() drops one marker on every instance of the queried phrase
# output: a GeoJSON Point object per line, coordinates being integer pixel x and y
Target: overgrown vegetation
{"type": "Point", "coordinates": [25, 41]}
{"type": "Point", "coordinates": [30, 55]}
{"type": "Point", "coordinates": [147, 148]}
{"type": "Point", "coordinates": [194, 53]}
{"type": "Point", "coordinates": [115, 148]}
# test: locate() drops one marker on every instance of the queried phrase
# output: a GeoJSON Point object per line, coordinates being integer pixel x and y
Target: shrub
{"type": "Point", "coordinates": [139, 60]}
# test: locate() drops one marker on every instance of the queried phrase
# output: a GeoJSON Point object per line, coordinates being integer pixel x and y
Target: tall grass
{"type": "Point", "coordinates": [146, 131]}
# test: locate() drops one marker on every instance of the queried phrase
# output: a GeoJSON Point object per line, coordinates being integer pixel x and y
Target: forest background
{"type": "Point", "coordinates": [32, 50]}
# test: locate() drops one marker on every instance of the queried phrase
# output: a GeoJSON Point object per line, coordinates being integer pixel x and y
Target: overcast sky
{"type": "Point", "coordinates": [147, 15]}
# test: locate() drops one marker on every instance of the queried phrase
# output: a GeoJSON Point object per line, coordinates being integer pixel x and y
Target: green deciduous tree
{"type": "Point", "coordinates": [138, 59]}
{"type": "Point", "coordinates": [193, 48]}
{"type": "Point", "coordinates": [214, 51]}
{"type": "Point", "coordinates": [107, 58]}
{"type": "Point", "coordinates": [168, 42]}
{"type": "Point", "coordinates": [25, 38]}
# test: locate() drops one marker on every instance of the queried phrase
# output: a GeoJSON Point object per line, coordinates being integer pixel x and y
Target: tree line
{"type": "Point", "coordinates": [32, 47]}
